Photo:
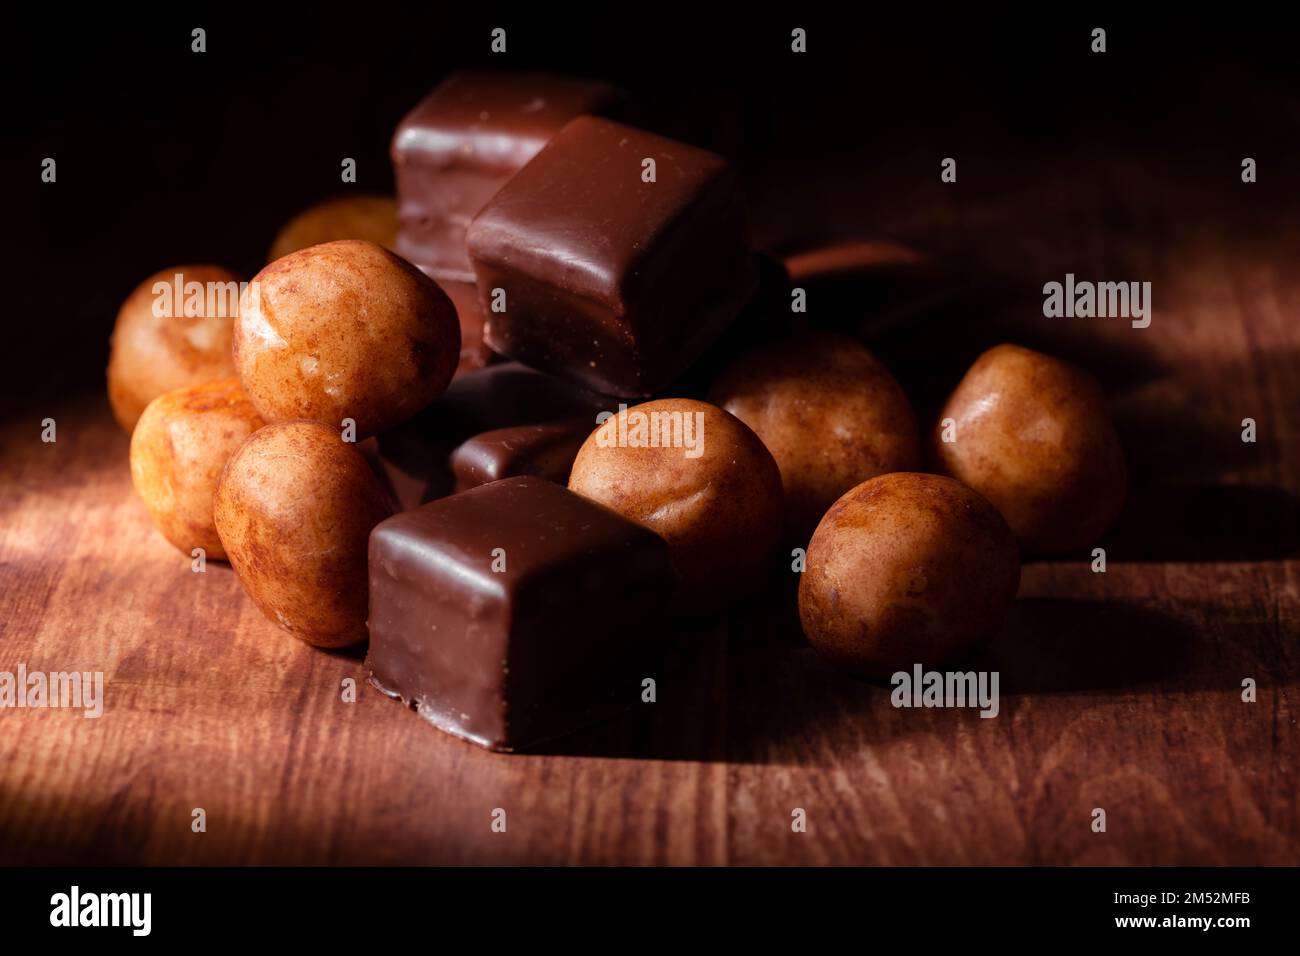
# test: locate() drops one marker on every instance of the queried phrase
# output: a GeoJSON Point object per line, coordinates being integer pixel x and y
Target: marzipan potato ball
{"type": "Point", "coordinates": [700, 479]}
{"type": "Point", "coordinates": [1033, 435]}
{"type": "Point", "coordinates": [178, 449]}
{"type": "Point", "coordinates": [345, 330]}
{"type": "Point", "coordinates": [294, 509]}
{"type": "Point", "coordinates": [906, 569]}
{"type": "Point", "coordinates": [373, 218]}
{"type": "Point", "coordinates": [170, 333]}
{"type": "Point", "coordinates": [829, 412]}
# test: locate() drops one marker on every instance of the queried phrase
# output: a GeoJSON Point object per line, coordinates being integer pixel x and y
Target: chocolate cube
{"type": "Point", "coordinates": [545, 451]}
{"type": "Point", "coordinates": [613, 271]}
{"type": "Point", "coordinates": [417, 453]}
{"type": "Point", "coordinates": [462, 142]}
{"type": "Point", "coordinates": [515, 612]}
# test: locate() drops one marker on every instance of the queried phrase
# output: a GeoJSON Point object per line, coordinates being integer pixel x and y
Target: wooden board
{"type": "Point", "coordinates": [1120, 691]}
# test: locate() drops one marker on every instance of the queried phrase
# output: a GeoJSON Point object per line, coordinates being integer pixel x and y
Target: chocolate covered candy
{"type": "Point", "coordinates": [416, 454]}
{"type": "Point", "coordinates": [474, 353]}
{"type": "Point", "coordinates": [614, 258]}
{"type": "Point", "coordinates": [460, 145]}
{"type": "Point", "coordinates": [543, 451]}
{"type": "Point", "coordinates": [507, 394]}
{"type": "Point", "coordinates": [515, 612]}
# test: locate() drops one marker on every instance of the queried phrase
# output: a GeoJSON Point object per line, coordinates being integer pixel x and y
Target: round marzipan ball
{"type": "Point", "coordinates": [373, 218]}
{"type": "Point", "coordinates": [1033, 435]}
{"type": "Point", "coordinates": [906, 569]}
{"type": "Point", "coordinates": [171, 332]}
{"type": "Point", "coordinates": [700, 479]}
{"type": "Point", "coordinates": [829, 412]}
{"type": "Point", "coordinates": [345, 330]}
{"type": "Point", "coordinates": [178, 449]}
{"type": "Point", "coordinates": [294, 509]}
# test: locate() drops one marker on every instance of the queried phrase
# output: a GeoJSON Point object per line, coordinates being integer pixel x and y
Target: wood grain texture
{"type": "Point", "coordinates": [1119, 690]}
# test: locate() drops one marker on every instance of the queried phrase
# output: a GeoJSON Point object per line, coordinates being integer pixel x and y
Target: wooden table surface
{"type": "Point", "coordinates": [1120, 690]}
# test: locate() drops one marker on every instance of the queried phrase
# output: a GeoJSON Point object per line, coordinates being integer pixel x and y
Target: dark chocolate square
{"type": "Point", "coordinates": [462, 142]}
{"type": "Point", "coordinates": [610, 280]}
{"type": "Point", "coordinates": [555, 633]}
{"type": "Point", "coordinates": [545, 450]}
{"type": "Point", "coordinates": [417, 453]}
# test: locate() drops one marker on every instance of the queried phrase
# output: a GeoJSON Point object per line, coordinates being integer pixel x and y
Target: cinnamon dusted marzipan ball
{"type": "Point", "coordinates": [829, 412]}
{"type": "Point", "coordinates": [345, 330]}
{"type": "Point", "coordinates": [373, 218]}
{"type": "Point", "coordinates": [1033, 435]}
{"type": "Point", "coordinates": [294, 510]}
{"type": "Point", "coordinates": [906, 569]}
{"type": "Point", "coordinates": [173, 330]}
{"type": "Point", "coordinates": [178, 449]}
{"type": "Point", "coordinates": [700, 479]}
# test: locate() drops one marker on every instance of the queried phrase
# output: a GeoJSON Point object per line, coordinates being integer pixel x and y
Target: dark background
{"type": "Point", "coordinates": [1121, 689]}
{"type": "Point", "coordinates": [166, 157]}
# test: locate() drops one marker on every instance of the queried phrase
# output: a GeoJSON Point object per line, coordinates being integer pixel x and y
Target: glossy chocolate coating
{"type": "Point", "coordinates": [507, 658]}
{"type": "Point", "coordinates": [474, 353]}
{"type": "Point", "coordinates": [462, 142]}
{"type": "Point", "coordinates": [542, 451]}
{"type": "Point", "coordinates": [614, 282]}
{"type": "Point", "coordinates": [416, 453]}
